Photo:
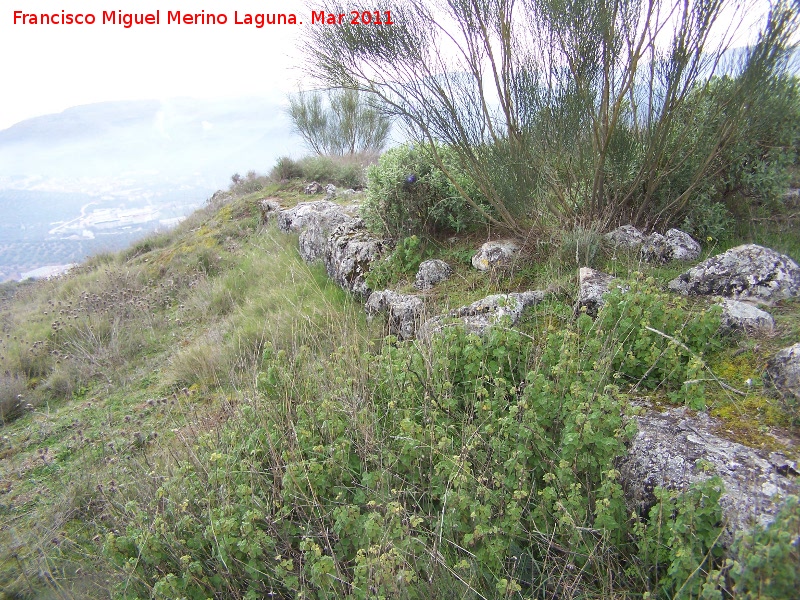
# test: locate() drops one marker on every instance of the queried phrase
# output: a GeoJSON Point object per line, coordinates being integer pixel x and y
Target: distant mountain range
{"type": "Point", "coordinates": [103, 174]}
{"type": "Point", "coordinates": [149, 139]}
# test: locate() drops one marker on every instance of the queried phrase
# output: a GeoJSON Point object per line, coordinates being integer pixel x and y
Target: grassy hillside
{"type": "Point", "coordinates": [205, 415]}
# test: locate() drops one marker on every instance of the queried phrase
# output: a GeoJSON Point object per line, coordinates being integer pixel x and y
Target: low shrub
{"type": "Point", "coordinates": [453, 464]}
{"type": "Point", "coordinates": [286, 168]}
{"type": "Point", "coordinates": [657, 341]}
{"type": "Point", "coordinates": [767, 563]}
{"type": "Point", "coordinates": [408, 194]}
{"type": "Point", "coordinates": [341, 171]}
{"type": "Point", "coordinates": [404, 260]}
{"type": "Point", "coordinates": [679, 545]}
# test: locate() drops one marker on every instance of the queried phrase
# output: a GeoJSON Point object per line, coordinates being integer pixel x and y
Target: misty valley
{"type": "Point", "coordinates": [43, 232]}
{"type": "Point", "coordinates": [95, 178]}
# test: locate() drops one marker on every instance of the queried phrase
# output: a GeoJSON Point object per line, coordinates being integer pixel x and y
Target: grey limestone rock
{"type": "Point", "coordinates": [313, 188]}
{"type": "Point", "coordinates": [404, 311]}
{"type": "Point", "coordinates": [297, 218]}
{"type": "Point", "coordinates": [349, 252]}
{"type": "Point", "coordinates": [783, 374]}
{"type": "Point", "coordinates": [747, 272]}
{"type": "Point", "coordinates": [314, 237]}
{"type": "Point", "coordinates": [431, 272]}
{"type": "Point", "coordinates": [270, 208]}
{"type": "Point", "coordinates": [479, 316]}
{"type": "Point", "coordinates": [592, 285]}
{"type": "Point", "coordinates": [674, 245]}
{"type": "Point", "coordinates": [745, 317]}
{"type": "Point", "coordinates": [675, 448]}
{"type": "Point", "coordinates": [626, 236]}
{"type": "Point", "coordinates": [495, 254]}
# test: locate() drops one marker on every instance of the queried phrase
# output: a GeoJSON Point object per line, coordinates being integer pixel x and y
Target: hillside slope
{"type": "Point", "coordinates": [205, 415]}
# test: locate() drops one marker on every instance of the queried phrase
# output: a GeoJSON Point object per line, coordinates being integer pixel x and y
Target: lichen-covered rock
{"type": "Point", "coordinates": [479, 316]}
{"type": "Point", "coordinates": [317, 227]}
{"type": "Point", "coordinates": [675, 448]}
{"type": "Point", "coordinates": [748, 272]}
{"type": "Point", "coordinates": [349, 252]}
{"type": "Point", "coordinates": [675, 245]}
{"type": "Point", "coordinates": [745, 317]}
{"type": "Point", "coordinates": [592, 285]}
{"type": "Point", "coordinates": [313, 188]}
{"type": "Point", "coordinates": [431, 272]}
{"type": "Point", "coordinates": [297, 218]}
{"type": "Point", "coordinates": [404, 311]}
{"type": "Point", "coordinates": [783, 374]}
{"type": "Point", "coordinates": [330, 191]}
{"type": "Point", "coordinates": [494, 255]}
{"type": "Point", "coordinates": [626, 236]}
{"type": "Point", "coordinates": [655, 249]}
{"type": "Point", "coordinates": [270, 208]}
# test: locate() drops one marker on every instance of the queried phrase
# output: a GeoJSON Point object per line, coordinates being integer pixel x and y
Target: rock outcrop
{"type": "Point", "coordinates": [318, 227]}
{"type": "Point", "coordinates": [626, 236]}
{"type": "Point", "coordinates": [270, 208]}
{"type": "Point", "coordinates": [748, 272]}
{"type": "Point", "coordinates": [404, 311]}
{"type": "Point", "coordinates": [494, 255]}
{"type": "Point", "coordinates": [675, 245]}
{"type": "Point", "coordinates": [297, 218]}
{"type": "Point", "coordinates": [479, 316]}
{"type": "Point", "coordinates": [783, 374]}
{"type": "Point", "coordinates": [349, 252]}
{"type": "Point", "coordinates": [675, 448]}
{"type": "Point", "coordinates": [592, 285]}
{"type": "Point", "coordinates": [313, 188]}
{"type": "Point", "coordinates": [431, 272]}
{"type": "Point", "coordinates": [741, 316]}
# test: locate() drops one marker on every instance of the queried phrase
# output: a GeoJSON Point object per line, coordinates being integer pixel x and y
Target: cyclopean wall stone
{"type": "Point", "coordinates": [747, 272]}
{"type": "Point", "coordinates": [349, 253]}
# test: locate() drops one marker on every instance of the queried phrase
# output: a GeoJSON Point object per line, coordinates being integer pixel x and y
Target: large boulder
{"type": "Point", "coordinates": [404, 311]}
{"type": "Point", "coordinates": [674, 245]}
{"type": "Point", "coordinates": [349, 253]}
{"type": "Point", "coordinates": [479, 316]}
{"type": "Point", "coordinates": [748, 272]}
{"type": "Point", "coordinates": [431, 272]}
{"type": "Point", "coordinates": [496, 254]}
{"type": "Point", "coordinates": [297, 218]}
{"type": "Point", "coordinates": [783, 374]}
{"type": "Point", "coordinates": [626, 236]}
{"type": "Point", "coordinates": [314, 237]}
{"type": "Point", "coordinates": [592, 285]}
{"type": "Point", "coordinates": [741, 316]}
{"type": "Point", "coordinates": [676, 448]}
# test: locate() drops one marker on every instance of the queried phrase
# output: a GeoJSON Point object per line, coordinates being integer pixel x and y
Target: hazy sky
{"type": "Point", "coordinates": [47, 68]}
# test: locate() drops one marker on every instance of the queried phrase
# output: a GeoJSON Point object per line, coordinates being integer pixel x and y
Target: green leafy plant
{"type": "Point", "coordinates": [658, 340]}
{"type": "Point", "coordinates": [407, 193]}
{"type": "Point", "coordinates": [679, 545]}
{"type": "Point", "coordinates": [404, 260]}
{"type": "Point", "coordinates": [767, 563]}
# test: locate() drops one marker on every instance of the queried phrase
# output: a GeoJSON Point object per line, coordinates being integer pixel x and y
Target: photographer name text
{"type": "Point", "coordinates": [178, 17]}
